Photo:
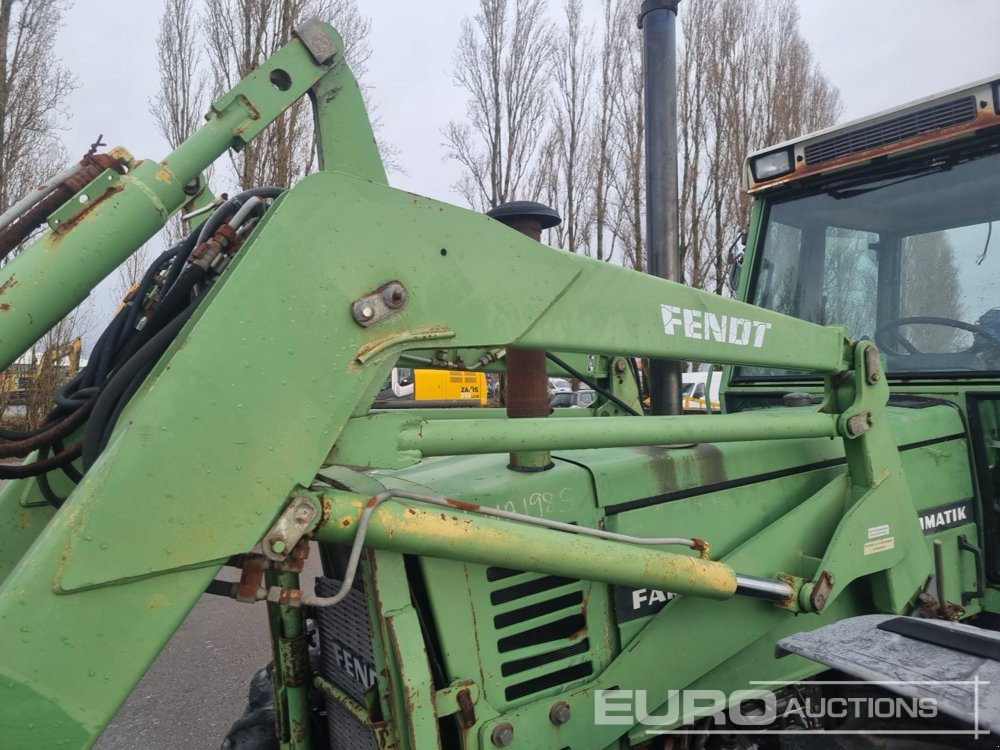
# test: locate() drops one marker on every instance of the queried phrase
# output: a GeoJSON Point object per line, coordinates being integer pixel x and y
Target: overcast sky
{"type": "Point", "coordinates": [879, 53]}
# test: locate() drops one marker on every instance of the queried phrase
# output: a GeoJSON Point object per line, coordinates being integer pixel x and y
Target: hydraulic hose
{"type": "Point", "coordinates": [97, 425]}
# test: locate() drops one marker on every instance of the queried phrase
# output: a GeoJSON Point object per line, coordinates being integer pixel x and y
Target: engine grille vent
{"type": "Point", "coordinates": [541, 630]}
{"type": "Point", "coordinates": [347, 659]}
{"type": "Point", "coordinates": [897, 129]}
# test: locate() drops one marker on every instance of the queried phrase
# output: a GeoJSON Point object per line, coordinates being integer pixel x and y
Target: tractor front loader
{"type": "Point", "coordinates": [591, 578]}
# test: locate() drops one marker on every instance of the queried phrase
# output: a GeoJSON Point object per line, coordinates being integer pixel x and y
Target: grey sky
{"type": "Point", "coordinates": [879, 53]}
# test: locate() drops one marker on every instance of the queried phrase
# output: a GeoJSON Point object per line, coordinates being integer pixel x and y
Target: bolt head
{"type": "Point", "coordinates": [503, 735]}
{"type": "Point", "coordinates": [394, 296]}
{"type": "Point", "coordinates": [278, 546]}
{"type": "Point", "coordinates": [367, 312]}
{"type": "Point", "coordinates": [560, 713]}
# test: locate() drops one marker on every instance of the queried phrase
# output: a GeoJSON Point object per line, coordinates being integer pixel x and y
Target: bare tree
{"type": "Point", "coordinates": [628, 180]}
{"type": "Point", "coordinates": [55, 360]}
{"type": "Point", "coordinates": [131, 271]}
{"type": "Point", "coordinates": [573, 65]}
{"type": "Point", "coordinates": [177, 108]}
{"type": "Point", "coordinates": [243, 33]}
{"type": "Point", "coordinates": [33, 92]}
{"type": "Point", "coordinates": [746, 79]}
{"type": "Point", "coordinates": [603, 154]}
{"type": "Point", "coordinates": [501, 64]}
{"type": "Point", "coordinates": [182, 99]}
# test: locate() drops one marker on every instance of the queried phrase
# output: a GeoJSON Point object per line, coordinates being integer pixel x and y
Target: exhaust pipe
{"type": "Point", "coordinates": [658, 20]}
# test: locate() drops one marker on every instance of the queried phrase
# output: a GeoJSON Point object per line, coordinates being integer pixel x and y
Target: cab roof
{"type": "Point", "coordinates": [952, 114]}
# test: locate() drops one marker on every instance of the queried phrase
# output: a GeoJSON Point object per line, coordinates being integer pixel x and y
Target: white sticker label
{"type": "Point", "coordinates": [880, 545]}
{"type": "Point", "coordinates": [876, 531]}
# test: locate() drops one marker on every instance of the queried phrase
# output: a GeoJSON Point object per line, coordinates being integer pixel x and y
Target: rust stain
{"type": "Point", "coordinates": [4, 306]}
{"type": "Point", "coordinates": [580, 633]}
{"type": "Point", "coordinates": [25, 520]}
{"type": "Point", "coordinates": [164, 176]}
{"type": "Point", "coordinates": [461, 505]}
{"type": "Point", "coordinates": [8, 284]}
{"type": "Point", "coordinates": [702, 547]}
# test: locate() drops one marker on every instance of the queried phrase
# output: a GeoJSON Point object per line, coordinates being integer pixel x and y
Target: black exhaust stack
{"type": "Point", "coordinates": [658, 21]}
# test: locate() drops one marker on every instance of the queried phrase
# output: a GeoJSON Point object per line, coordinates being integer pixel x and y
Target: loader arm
{"type": "Point", "coordinates": [272, 377]}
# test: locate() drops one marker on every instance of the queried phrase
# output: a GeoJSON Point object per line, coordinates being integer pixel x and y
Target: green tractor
{"type": "Point", "coordinates": [791, 571]}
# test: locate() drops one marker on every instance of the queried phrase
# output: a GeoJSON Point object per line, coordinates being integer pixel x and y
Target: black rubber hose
{"type": "Point", "coordinates": [23, 434]}
{"type": "Point", "coordinates": [184, 250]}
{"type": "Point", "coordinates": [52, 431]}
{"type": "Point", "coordinates": [68, 468]}
{"type": "Point", "coordinates": [170, 306]}
{"type": "Point", "coordinates": [134, 307]}
{"type": "Point", "coordinates": [24, 471]}
{"type": "Point", "coordinates": [119, 382]}
{"type": "Point", "coordinates": [100, 363]}
{"type": "Point", "coordinates": [123, 400]}
{"type": "Point", "coordinates": [72, 401]}
{"type": "Point", "coordinates": [43, 479]}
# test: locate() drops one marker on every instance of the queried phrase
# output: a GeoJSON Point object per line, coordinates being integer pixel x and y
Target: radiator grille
{"type": "Point", "coordinates": [894, 130]}
{"type": "Point", "coordinates": [541, 630]}
{"type": "Point", "coordinates": [347, 660]}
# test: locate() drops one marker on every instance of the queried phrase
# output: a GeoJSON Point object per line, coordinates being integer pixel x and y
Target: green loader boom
{"type": "Point", "coordinates": [491, 579]}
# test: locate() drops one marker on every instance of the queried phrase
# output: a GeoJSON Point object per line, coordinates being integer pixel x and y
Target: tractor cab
{"type": "Point", "coordinates": [886, 226]}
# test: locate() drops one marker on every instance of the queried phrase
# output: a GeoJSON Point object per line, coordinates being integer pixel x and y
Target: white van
{"type": "Point", "coordinates": [693, 391]}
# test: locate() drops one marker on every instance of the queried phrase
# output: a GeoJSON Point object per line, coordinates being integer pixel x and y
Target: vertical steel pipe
{"type": "Point", "coordinates": [657, 19]}
{"type": "Point", "coordinates": [527, 392]}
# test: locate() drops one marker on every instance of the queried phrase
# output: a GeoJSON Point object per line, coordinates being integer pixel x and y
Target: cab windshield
{"type": "Point", "coordinates": [909, 258]}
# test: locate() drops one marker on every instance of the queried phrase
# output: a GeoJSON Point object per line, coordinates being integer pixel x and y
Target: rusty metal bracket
{"type": "Point", "coordinates": [85, 199]}
{"type": "Point", "coordinates": [459, 697]}
{"type": "Point", "coordinates": [376, 306]}
{"type": "Point", "coordinates": [251, 579]}
{"type": "Point", "coordinates": [821, 591]}
{"type": "Point", "coordinates": [301, 515]}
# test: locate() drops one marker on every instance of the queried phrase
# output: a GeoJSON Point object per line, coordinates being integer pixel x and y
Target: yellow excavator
{"type": "Point", "coordinates": [56, 365]}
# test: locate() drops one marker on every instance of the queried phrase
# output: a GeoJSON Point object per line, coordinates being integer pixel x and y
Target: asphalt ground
{"type": "Point", "coordinates": [197, 687]}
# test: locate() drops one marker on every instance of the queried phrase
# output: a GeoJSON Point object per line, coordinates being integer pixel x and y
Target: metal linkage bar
{"type": "Point", "coordinates": [471, 436]}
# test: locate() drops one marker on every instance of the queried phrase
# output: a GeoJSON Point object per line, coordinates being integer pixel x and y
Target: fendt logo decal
{"type": "Point", "coordinates": [706, 326]}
